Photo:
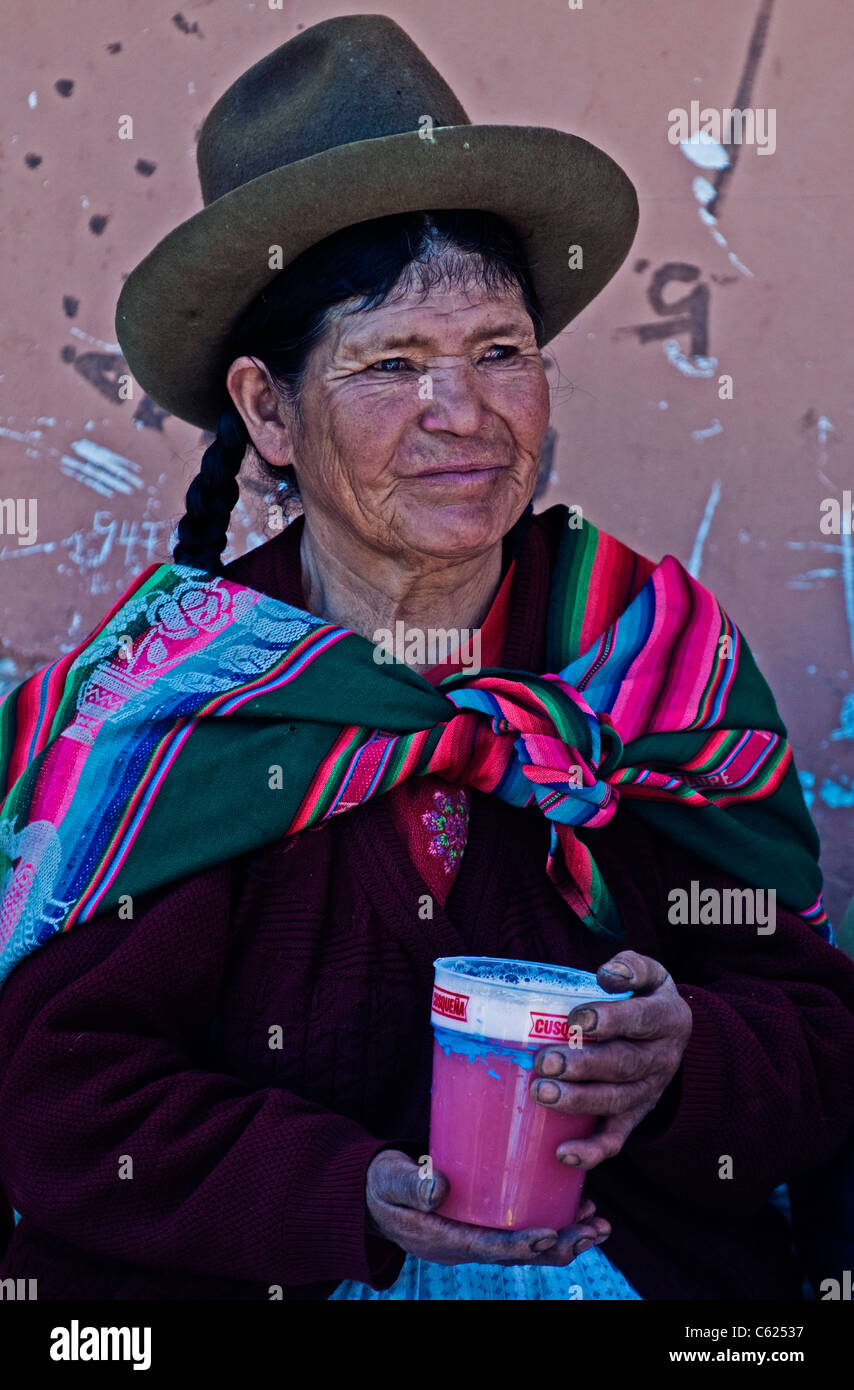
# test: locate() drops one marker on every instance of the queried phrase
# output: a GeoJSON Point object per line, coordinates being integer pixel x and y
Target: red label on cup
{"type": "Point", "coordinates": [448, 1004]}
{"type": "Point", "coordinates": [549, 1026]}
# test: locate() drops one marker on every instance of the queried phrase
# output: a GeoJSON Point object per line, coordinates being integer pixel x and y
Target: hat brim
{"type": "Point", "coordinates": [177, 308]}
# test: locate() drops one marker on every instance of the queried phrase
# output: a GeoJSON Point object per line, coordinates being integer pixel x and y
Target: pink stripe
{"type": "Point", "coordinates": [57, 780]}
{"type": "Point", "coordinates": [666, 680]}
{"type": "Point", "coordinates": [109, 873]}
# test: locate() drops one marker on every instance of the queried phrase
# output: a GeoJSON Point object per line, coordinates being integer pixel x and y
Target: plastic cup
{"type": "Point", "coordinates": [488, 1135]}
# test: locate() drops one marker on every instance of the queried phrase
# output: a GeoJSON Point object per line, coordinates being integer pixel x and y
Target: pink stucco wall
{"type": "Point", "coordinates": [643, 440]}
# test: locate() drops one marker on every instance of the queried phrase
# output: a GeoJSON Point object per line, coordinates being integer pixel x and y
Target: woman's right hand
{"type": "Point", "coordinates": [402, 1209]}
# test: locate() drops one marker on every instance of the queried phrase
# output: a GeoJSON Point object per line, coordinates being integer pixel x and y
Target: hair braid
{"type": "Point", "coordinates": [211, 498]}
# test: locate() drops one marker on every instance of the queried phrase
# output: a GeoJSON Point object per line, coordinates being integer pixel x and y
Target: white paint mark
{"type": "Point", "coordinates": [824, 427]}
{"type": "Point", "coordinates": [84, 201]}
{"type": "Point", "coordinates": [815, 545]}
{"type": "Point", "coordinates": [810, 579]}
{"type": "Point", "coordinates": [191, 88]}
{"type": "Point", "coordinates": [45, 420]}
{"type": "Point", "coordinates": [846, 720]}
{"type": "Point", "coordinates": [101, 469]}
{"type": "Point", "coordinates": [23, 436]}
{"type": "Point", "coordinates": [44, 548]}
{"type": "Point", "coordinates": [688, 366]}
{"type": "Point", "coordinates": [704, 192]}
{"type": "Point", "coordinates": [714, 428]}
{"type": "Point", "coordinates": [140, 542]}
{"type": "Point", "coordinates": [100, 454]}
{"type": "Point", "coordinates": [705, 152]}
{"type": "Point", "coordinates": [32, 100]}
{"type": "Point", "coordinates": [703, 530]}
{"type": "Point", "coordinates": [739, 265]}
{"type": "Point", "coordinates": [81, 473]}
{"type": "Point", "coordinates": [96, 342]}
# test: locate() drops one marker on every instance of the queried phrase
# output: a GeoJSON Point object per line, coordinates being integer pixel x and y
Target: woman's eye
{"type": "Point", "coordinates": [389, 366]}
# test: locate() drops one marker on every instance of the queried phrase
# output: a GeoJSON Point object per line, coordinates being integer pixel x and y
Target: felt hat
{"type": "Point", "coordinates": [345, 122]}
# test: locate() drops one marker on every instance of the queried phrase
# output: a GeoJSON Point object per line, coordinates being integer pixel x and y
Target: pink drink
{"type": "Point", "coordinates": [490, 1138]}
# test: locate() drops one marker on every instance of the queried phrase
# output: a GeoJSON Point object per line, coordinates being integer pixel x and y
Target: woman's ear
{"type": "Point", "coordinates": [261, 409]}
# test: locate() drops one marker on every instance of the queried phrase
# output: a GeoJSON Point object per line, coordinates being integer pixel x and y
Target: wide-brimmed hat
{"type": "Point", "coordinates": [345, 122]}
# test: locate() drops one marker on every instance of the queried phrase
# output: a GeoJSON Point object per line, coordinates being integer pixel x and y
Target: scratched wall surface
{"type": "Point", "coordinates": [741, 268]}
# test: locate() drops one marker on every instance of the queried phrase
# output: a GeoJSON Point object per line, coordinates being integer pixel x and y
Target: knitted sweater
{"type": "Point", "coordinates": [189, 1100]}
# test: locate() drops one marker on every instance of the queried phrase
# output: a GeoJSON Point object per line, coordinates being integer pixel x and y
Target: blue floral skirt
{"type": "Point", "coordinates": [591, 1275]}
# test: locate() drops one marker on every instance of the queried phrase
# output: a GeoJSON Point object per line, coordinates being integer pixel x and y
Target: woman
{"type": "Point", "coordinates": [237, 840]}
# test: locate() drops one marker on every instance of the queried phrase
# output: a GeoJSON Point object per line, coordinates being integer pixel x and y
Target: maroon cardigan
{"type": "Point", "coordinates": [148, 1042]}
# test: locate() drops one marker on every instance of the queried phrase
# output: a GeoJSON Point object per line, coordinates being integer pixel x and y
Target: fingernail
{"type": "Point", "coordinates": [572, 1159]}
{"type": "Point", "coordinates": [619, 969]}
{"type": "Point", "coordinates": [428, 1189]}
{"type": "Point", "coordinates": [548, 1092]}
{"type": "Point", "coordinates": [552, 1064]}
{"type": "Point", "coordinates": [583, 1245]}
{"type": "Point", "coordinates": [585, 1019]}
{"type": "Point", "coordinates": [544, 1243]}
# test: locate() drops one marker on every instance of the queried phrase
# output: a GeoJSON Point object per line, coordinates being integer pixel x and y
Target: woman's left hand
{"type": "Point", "coordinates": [631, 1049]}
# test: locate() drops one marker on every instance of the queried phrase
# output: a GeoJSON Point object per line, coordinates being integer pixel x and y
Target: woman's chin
{"type": "Point", "coordinates": [458, 527]}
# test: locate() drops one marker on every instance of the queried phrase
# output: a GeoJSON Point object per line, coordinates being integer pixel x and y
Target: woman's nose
{"type": "Point", "coordinates": [453, 399]}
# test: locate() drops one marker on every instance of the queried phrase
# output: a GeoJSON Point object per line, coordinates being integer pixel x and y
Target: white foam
{"type": "Point", "coordinates": [523, 1002]}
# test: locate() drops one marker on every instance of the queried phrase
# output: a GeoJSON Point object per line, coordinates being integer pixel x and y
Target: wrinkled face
{"type": "Point", "coordinates": [422, 423]}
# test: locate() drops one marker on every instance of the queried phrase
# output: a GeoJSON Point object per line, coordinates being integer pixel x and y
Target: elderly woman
{"type": "Point", "coordinates": [237, 838]}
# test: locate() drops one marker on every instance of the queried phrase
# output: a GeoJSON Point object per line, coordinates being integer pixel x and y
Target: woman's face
{"type": "Point", "coordinates": [422, 423]}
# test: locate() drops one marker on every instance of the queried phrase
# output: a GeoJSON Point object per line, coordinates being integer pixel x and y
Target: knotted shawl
{"type": "Point", "coordinates": [201, 720]}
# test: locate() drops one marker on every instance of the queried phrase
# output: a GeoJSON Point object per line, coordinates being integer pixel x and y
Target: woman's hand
{"type": "Point", "coordinates": [401, 1203]}
{"type": "Point", "coordinates": [631, 1050]}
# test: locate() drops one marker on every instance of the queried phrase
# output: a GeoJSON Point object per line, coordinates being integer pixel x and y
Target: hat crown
{"type": "Point", "coordinates": [355, 77]}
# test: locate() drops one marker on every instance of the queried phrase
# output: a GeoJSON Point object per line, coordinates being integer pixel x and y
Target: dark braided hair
{"type": "Point", "coordinates": [363, 262]}
{"type": "Point", "coordinates": [212, 496]}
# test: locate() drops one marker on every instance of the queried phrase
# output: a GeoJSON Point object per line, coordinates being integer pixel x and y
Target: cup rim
{"type": "Point", "coordinates": [586, 982]}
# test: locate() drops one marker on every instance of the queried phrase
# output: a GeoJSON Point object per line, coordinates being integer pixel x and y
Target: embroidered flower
{"type": "Point", "coordinates": [449, 827]}
{"type": "Point", "coordinates": [192, 606]}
